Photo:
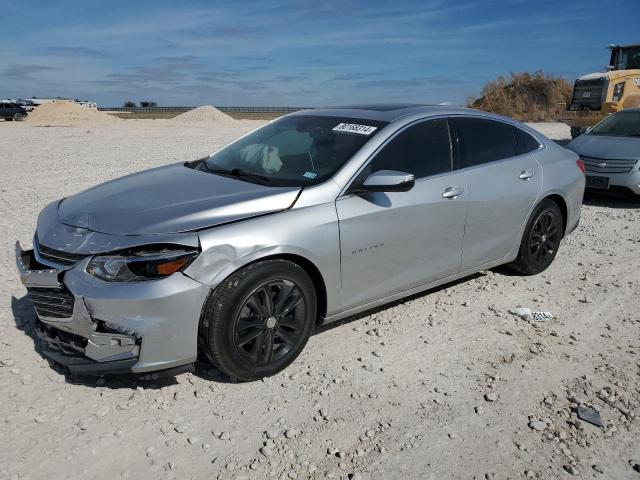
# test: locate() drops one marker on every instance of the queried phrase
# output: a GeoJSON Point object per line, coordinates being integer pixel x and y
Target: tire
{"type": "Point", "coordinates": [18, 117]}
{"type": "Point", "coordinates": [8, 119]}
{"type": "Point", "coordinates": [249, 328]}
{"type": "Point", "coordinates": [540, 240]}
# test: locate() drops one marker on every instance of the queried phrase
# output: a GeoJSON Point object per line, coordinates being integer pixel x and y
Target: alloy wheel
{"type": "Point", "coordinates": [270, 322]}
{"type": "Point", "coordinates": [545, 237]}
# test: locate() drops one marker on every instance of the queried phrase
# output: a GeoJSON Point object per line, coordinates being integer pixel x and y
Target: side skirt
{"type": "Point", "coordinates": [412, 291]}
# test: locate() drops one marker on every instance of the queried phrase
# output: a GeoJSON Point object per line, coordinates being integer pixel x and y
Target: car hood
{"type": "Point", "coordinates": [170, 199]}
{"type": "Point", "coordinates": [606, 147]}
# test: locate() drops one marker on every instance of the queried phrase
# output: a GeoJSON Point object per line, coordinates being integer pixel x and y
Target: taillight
{"type": "Point", "coordinates": [580, 164]}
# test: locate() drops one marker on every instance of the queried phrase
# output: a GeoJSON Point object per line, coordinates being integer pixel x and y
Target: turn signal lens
{"type": "Point", "coordinates": [171, 267]}
{"type": "Point", "coordinates": [580, 164]}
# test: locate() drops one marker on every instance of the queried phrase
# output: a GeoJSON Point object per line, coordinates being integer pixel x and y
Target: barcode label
{"type": "Point", "coordinates": [354, 128]}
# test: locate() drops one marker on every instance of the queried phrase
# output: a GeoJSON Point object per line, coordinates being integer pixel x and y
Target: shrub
{"type": "Point", "coordinates": [129, 104]}
{"type": "Point", "coordinates": [525, 96]}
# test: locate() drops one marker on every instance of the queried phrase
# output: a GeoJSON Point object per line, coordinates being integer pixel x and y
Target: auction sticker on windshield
{"type": "Point", "coordinates": [354, 128]}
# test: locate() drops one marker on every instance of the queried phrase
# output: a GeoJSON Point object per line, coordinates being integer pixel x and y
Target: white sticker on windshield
{"type": "Point", "coordinates": [354, 128]}
{"type": "Point", "coordinates": [309, 175]}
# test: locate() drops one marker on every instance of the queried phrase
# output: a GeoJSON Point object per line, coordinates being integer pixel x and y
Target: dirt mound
{"type": "Point", "coordinates": [530, 97]}
{"type": "Point", "coordinates": [61, 113]}
{"type": "Point", "coordinates": [204, 114]}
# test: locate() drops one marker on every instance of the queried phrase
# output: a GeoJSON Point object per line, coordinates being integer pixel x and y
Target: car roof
{"type": "Point", "coordinates": [386, 112]}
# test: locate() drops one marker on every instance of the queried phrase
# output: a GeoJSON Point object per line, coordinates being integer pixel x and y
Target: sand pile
{"type": "Point", "coordinates": [204, 114]}
{"type": "Point", "coordinates": [61, 113]}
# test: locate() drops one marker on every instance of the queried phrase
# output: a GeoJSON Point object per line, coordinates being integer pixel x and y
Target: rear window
{"type": "Point", "coordinates": [482, 140]}
{"type": "Point", "coordinates": [525, 143]}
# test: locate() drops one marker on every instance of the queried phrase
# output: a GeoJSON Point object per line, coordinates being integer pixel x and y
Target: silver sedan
{"type": "Point", "coordinates": [235, 258]}
{"type": "Point", "coordinates": [611, 153]}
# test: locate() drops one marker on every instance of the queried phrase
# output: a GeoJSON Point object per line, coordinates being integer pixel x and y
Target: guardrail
{"type": "Point", "coordinates": [222, 109]}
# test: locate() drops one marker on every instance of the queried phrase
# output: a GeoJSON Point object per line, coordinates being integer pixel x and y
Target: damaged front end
{"type": "Point", "coordinates": [96, 327]}
{"type": "Point", "coordinates": [68, 334]}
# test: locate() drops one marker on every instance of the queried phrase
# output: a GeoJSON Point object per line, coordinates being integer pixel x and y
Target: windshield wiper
{"type": "Point", "coordinates": [241, 174]}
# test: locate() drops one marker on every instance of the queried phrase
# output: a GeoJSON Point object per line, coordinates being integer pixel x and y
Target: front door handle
{"type": "Point", "coordinates": [525, 175]}
{"type": "Point", "coordinates": [452, 192]}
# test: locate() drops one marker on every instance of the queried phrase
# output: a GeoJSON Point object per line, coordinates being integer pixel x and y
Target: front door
{"type": "Point", "coordinates": [394, 241]}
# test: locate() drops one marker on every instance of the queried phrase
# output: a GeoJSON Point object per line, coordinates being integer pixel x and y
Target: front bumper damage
{"type": "Point", "coordinates": [93, 327]}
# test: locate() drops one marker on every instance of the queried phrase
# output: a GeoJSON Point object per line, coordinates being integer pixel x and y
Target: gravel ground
{"type": "Point", "coordinates": [445, 385]}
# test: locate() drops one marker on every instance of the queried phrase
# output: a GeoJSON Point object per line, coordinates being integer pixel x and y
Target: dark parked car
{"type": "Point", "coordinates": [12, 111]}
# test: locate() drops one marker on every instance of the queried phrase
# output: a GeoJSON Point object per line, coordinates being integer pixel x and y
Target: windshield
{"type": "Point", "coordinates": [622, 124]}
{"type": "Point", "coordinates": [293, 151]}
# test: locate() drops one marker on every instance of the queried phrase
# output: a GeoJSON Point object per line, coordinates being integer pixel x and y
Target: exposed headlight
{"type": "Point", "coordinates": [618, 91]}
{"type": "Point", "coordinates": [136, 266]}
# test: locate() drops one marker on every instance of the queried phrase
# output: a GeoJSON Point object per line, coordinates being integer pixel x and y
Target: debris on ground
{"type": "Point", "coordinates": [590, 415]}
{"type": "Point", "coordinates": [530, 316]}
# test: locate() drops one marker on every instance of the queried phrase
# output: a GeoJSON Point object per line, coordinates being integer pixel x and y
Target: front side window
{"type": "Point", "coordinates": [622, 124]}
{"type": "Point", "coordinates": [481, 140]}
{"type": "Point", "coordinates": [293, 151]}
{"type": "Point", "coordinates": [423, 150]}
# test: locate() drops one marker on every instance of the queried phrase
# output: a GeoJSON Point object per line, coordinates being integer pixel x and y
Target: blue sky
{"type": "Point", "coordinates": [297, 53]}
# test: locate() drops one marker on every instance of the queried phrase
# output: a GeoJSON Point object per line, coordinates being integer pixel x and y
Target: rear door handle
{"type": "Point", "coordinates": [525, 175]}
{"type": "Point", "coordinates": [452, 192]}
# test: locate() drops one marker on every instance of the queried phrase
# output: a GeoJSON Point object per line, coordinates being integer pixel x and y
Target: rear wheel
{"type": "Point", "coordinates": [259, 319]}
{"type": "Point", "coordinates": [541, 239]}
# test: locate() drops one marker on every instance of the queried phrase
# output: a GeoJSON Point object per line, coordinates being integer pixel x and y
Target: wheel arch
{"type": "Point", "coordinates": [303, 262]}
{"type": "Point", "coordinates": [314, 273]}
{"type": "Point", "coordinates": [562, 205]}
{"type": "Point", "coordinates": [555, 197]}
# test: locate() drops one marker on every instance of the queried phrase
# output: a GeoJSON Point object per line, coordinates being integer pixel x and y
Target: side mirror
{"type": "Point", "coordinates": [387, 181]}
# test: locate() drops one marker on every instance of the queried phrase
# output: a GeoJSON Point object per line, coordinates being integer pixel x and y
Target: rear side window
{"type": "Point", "coordinates": [423, 149]}
{"type": "Point", "coordinates": [482, 141]}
{"type": "Point", "coordinates": [525, 143]}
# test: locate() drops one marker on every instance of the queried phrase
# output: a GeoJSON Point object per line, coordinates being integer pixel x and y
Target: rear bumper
{"type": "Point", "coordinates": [96, 327]}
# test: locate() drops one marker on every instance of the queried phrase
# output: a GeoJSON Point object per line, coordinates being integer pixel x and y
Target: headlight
{"type": "Point", "coordinates": [618, 90]}
{"type": "Point", "coordinates": [136, 266]}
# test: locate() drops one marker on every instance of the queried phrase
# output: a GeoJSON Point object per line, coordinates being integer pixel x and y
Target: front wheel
{"type": "Point", "coordinates": [258, 320]}
{"type": "Point", "coordinates": [18, 117]}
{"type": "Point", "coordinates": [540, 240]}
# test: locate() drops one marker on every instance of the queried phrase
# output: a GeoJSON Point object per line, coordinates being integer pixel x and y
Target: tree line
{"type": "Point", "coordinates": [143, 104]}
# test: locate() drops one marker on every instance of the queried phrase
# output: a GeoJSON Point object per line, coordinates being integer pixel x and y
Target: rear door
{"type": "Point", "coordinates": [394, 241]}
{"type": "Point", "coordinates": [504, 180]}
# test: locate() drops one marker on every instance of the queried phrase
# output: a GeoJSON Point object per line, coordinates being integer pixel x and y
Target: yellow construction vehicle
{"type": "Point", "coordinates": [599, 94]}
